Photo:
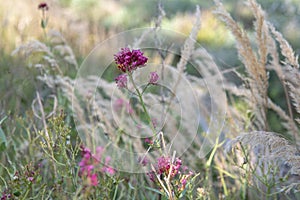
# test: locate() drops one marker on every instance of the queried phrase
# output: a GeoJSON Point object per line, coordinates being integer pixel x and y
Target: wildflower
{"type": "Point", "coordinates": [43, 6]}
{"type": "Point", "coordinates": [121, 81]}
{"type": "Point", "coordinates": [128, 60]}
{"type": "Point", "coordinates": [85, 150]}
{"type": "Point", "coordinates": [148, 141]}
{"type": "Point", "coordinates": [164, 166]}
{"type": "Point", "coordinates": [30, 179]}
{"type": "Point", "coordinates": [152, 176]}
{"type": "Point", "coordinates": [92, 179]}
{"type": "Point", "coordinates": [184, 180]}
{"type": "Point", "coordinates": [88, 165]}
{"type": "Point", "coordinates": [153, 78]}
{"type": "Point", "coordinates": [5, 196]}
{"type": "Point", "coordinates": [44, 21]}
{"type": "Point", "coordinates": [99, 152]}
{"type": "Point", "coordinates": [109, 170]}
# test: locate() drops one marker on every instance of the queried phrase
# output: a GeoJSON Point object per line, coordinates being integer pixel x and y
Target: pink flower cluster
{"type": "Point", "coordinates": [121, 81]}
{"type": "Point", "coordinates": [89, 165]}
{"type": "Point", "coordinates": [163, 167]}
{"type": "Point", "coordinates": [5, 196]}
{"type": "Point", "coordinates": [178, 174]}
{"type": "Point", "coordinates": [129, 61]}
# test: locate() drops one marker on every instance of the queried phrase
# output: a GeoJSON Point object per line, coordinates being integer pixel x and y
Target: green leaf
{"type": "Point", "coordinates": [154, 190]}
{"type": "Point", "coordinates": [17, 193]}
{"type": "Point", "coordinates": [3, 141]}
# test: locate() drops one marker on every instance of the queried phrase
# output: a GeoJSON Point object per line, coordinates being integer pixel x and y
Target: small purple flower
{"type": "Point", "coordinates": [129, 61]}
{"type": "Point", "coordinates": [153, 78]}
{"type": "Point", "coordinates": [30, 179]}
{"type": "Point", "coordinates": [152, 176]}
{"type": "Point", "coordinates": [121, 81]}
{"type": "Point", "coordinates": [148, 141]}
{"type": "Point", "coordinates": [5, 196]}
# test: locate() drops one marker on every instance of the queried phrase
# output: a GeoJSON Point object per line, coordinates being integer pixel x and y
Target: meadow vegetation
{"type": "Point", "coordinates": [218, 125]}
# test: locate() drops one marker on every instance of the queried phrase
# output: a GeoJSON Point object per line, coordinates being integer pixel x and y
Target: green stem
{"type": "Point", "coordinates": [142, 102]}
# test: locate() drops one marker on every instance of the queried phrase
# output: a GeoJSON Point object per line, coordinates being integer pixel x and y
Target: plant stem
{"type": "Point", "coordinates": [142, 102]}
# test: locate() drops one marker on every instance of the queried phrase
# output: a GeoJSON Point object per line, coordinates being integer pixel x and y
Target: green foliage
{"type": "Point", "coordinates": [3, 141]}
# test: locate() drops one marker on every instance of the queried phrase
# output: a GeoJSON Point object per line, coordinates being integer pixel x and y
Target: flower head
{"type": "Point", "coordinates": [129, 60]}
{"type": "Point", "coordinates": [165, 166]}
{"type": "Point", "coordinates": [148, 141]}
{"type": "Point", "coordinates": [153, 78]}
{"type": "Point", "coordinates": [121, 81]}
{"type": "Point", "coordinates": [92, 179]}
{"type": "Point", "coordinates": [89, 165]}
{"type": "Point", "coordinates": [43, 6]}
{"type": "Point", "coordinates": [30, 179]}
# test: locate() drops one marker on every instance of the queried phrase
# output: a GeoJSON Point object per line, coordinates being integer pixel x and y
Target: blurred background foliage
{"type": "Point", "coordinates": [85, 23]}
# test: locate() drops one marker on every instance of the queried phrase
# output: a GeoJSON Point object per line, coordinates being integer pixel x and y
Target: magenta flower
{"type": "Point", "coordinates": [93, 179]}
{"type": "Point", "coordinates": [153, 78]}
{"type": "Point", "coordinates": [129, 61]}
{"type": "Point", "coordinates": [43, 6]}
{"type": "Point", "coordinates": [152, 176]}
{"type": "Point", "coordinates": [89, 165]}
{"type": "Point", "coordinates": [148, 141]}
{"type": "Point", "coordinates": [121, 81]}
{"type": "Point", "coordinates": [164, 164]}
{"type": "Point", "coordinates": [109, 170]}
{"type": "Point", "coordinates": [5, 196]}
